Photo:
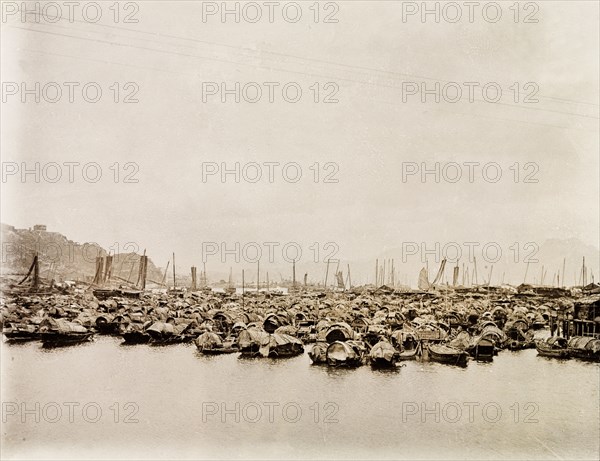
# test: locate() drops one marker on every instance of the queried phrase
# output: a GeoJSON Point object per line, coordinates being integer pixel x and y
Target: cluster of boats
{"type": "Point", "coordinates": [346, 329]}
{"type": "Point", "coordinates": [579, 347]}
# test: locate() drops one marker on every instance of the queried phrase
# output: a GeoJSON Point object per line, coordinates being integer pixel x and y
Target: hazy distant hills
{"type": "Point", "coordinates": [61, 258]}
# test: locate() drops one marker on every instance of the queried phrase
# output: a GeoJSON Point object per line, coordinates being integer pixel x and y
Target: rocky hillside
{"type": "Point", "coordinates": [61, 258]}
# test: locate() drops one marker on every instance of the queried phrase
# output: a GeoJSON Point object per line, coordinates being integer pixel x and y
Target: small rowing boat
{"type": "Point", "coordinates": [446, 354]}
{"type": "Point", "coordinates": [554, 346]}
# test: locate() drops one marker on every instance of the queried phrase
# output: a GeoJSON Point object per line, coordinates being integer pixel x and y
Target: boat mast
{"type": "Point", "coordinates": [174, 283]}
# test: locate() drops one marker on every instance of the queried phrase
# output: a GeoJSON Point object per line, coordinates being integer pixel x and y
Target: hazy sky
{"type": "Point", "coordinates": [367, 138]}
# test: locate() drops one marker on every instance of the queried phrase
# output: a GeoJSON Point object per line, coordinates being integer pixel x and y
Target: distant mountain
{"type": "Point", "coordinates": [61, 258]}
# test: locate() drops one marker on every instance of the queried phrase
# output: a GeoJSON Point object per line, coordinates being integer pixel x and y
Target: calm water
{"type": "Point", "coordinates": [180, 404]}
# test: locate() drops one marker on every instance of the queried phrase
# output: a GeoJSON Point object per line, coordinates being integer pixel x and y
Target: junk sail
{"type": "Point", "coordinates": [423, 282]}
{"type": "Point", "coordinates": [340, 280]}
{"type": "Point", "coordinates": [438, 277]}
{"type": "Point", "coordinates": [455, 276]}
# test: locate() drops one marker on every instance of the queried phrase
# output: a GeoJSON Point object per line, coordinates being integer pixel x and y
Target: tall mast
{"type": "Point", "coordinates": [174, 284]}
{"type": "Point", "coordinates": [349, 279]}
{"type": "Point", "coordinates": [526, 270]}
{"type": "Point", "coordinates": [164, 279]}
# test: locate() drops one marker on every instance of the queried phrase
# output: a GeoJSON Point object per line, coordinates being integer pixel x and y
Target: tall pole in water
{"type": "Point", "coordinates": [257, 276]}
{"type": "Point", "coordinates": [526, 270]}
{"type": "Point", "coordinates": [243, 287]}
{"type": "Point", "coordinates": [349, 279]}
{"type": "Point", "coordinates": [294, 274]}
{"type": "Point", "coordinates": [326, 274]}
{"type": "Point", "coordinates": [144, 271]}
{"type": "Point", "coordinates": [563, 277]}
{"type": "Point", "coordinates": [131, 270]}
{"type": "Point", "coordinates": [174, 284]}
{"type": "Point", "coordinates": [193, 287]}
{"type": "Point", "coordinates": [36, 272]}
{"type": "Point", "coordinates": [164, 279]}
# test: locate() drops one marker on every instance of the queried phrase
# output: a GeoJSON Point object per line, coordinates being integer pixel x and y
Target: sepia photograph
{"type": "Point", "coordinates": [300, 230]}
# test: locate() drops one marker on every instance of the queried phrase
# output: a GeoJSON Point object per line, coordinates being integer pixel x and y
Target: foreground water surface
{"type": "Point", "coordinates": [105, 400]}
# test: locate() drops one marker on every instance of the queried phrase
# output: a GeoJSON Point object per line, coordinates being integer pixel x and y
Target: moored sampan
{"type": "Point", "coordinates": [446, 354]}
{"type": "Point", "coordinates": [585, 348]}
{"type": "Point", "coordinates": [555, 346]}
{"type": "Point", "coordinates": [282, 345]}
{"type": "Point", "coordinates": [60, 332]}
{"type": "Point", "coordinates": [318, 353]}
{"type": "Point", "coordinates": [21, 332]}
{"type": "Point", "coordinates": [346, 354]}
{"type": "Point", "coordinates": [211, 343]}
{"type": "Point", "coordinates": [383, 354]}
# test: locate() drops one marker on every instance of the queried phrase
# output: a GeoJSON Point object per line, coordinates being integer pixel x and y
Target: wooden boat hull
{"type": "Point", "coordinates": [342, 354]}
{"type": "Point", "coordinates": [219, 350]}
{"type": "Point", "coordinates": [515, 345]}
{"type": "Point", "coordinates": [483, 350]}
{"type": "Point", "coordinates": [136, 337]}
{"type": "Point", "coordinates": [584, 355]}
{"type": "Point", "coordinates": [251, 350]}
{"type": "Point", "coordinates": [445, 354]}
{"type": "Point", "coordinates": [411, 354]}
{"type": "Point", "coordinates": [52, 339]}
{"type": "Point", "coordinates": [214, 346]}
{"type": "Point", "coordinates": [287, 350]}
{"type": "Point", "coordinates": [110, 328]}
{"type": "Point", "coordinates": [383, 363]}
{"type": "Point", "coordinates": [22, 336]}
{"type": "Point", "coordinates": [383, 355]}
{"type": "Point", "coordinates": [174, 339]}
{"type": "Point", "coordinates": [546, 351]}
{"type": "Point", "coordinates": [318, 353]}
{"type": "Point", "coordinates": [584, 348]}
{"type": "Point", "coordinates": [561, 354]}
